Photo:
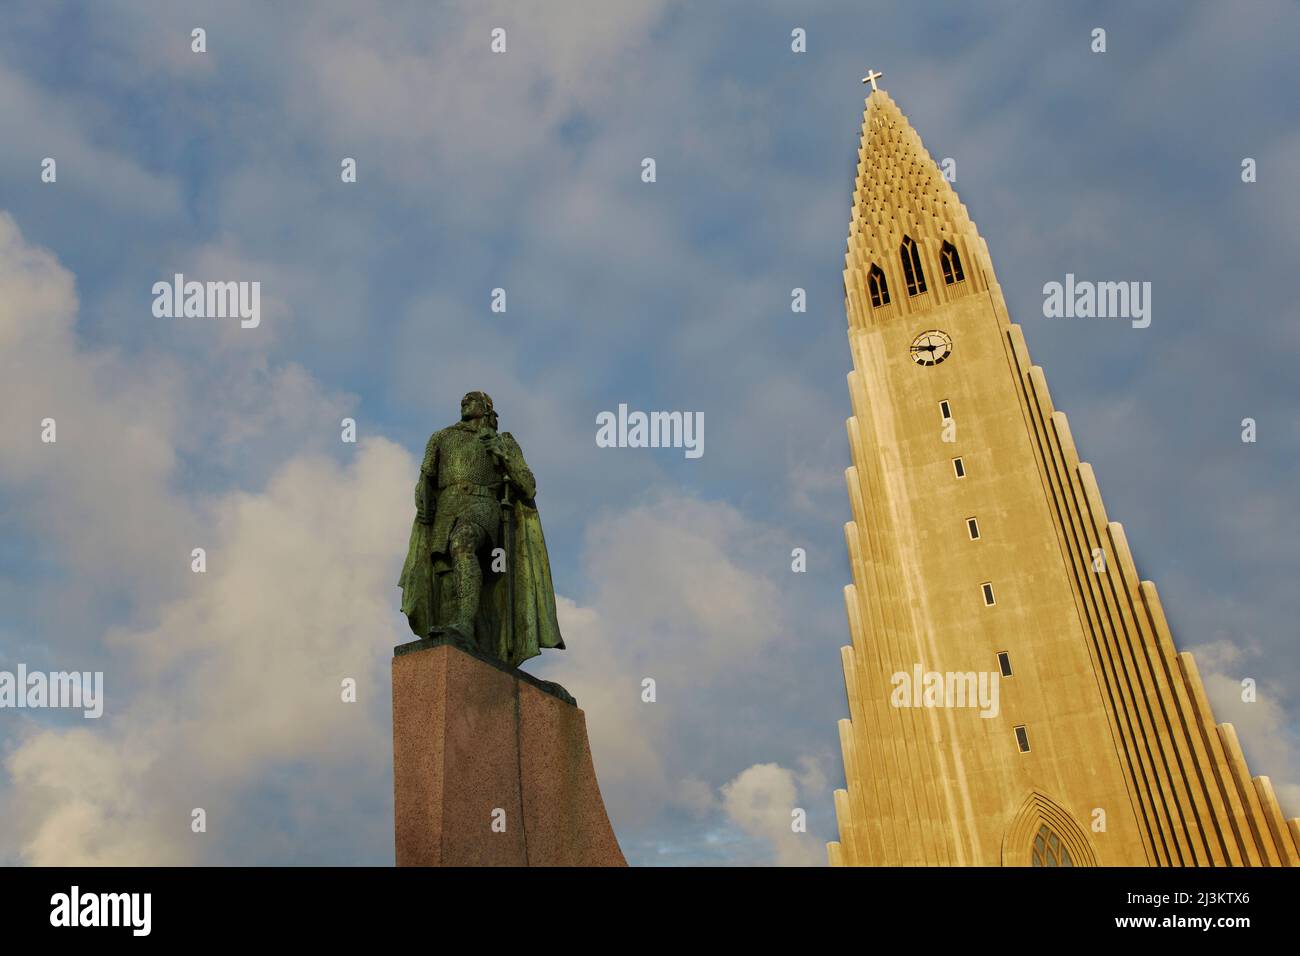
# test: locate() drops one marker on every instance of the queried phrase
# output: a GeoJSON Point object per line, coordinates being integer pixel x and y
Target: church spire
{"type": "Point", "coordinates": [901, 194]}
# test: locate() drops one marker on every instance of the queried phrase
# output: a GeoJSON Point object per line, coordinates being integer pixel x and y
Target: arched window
{"type": "Point", "coordinates": [951, 263]}
{"type": "Point", "coordinates": [877, 286]}
{"type": "Point", "coordinates": [1042, 833]}
{"type": "Point", "coordinates": [912, 267]}
{"type": "Point", "coordinates": [1049, 850]}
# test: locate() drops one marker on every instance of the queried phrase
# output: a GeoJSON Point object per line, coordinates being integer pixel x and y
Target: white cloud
{"type": "Point", "coordinates": [242, 672]}
{"type": "Point", "coordinates": [52, 127]}
{"type": "Point", "coordinates": [99, 494]}
{"type": "Point", "coordinates": [678, 602]}
{"type": "Point", "coordinates": [229, 672]}
{"type": "Point", "coordinates": [762, 801]}
{"type": "Point", "coordinates": [414, 96]}
{"type": "Point", "coordinates": [1261, 724]}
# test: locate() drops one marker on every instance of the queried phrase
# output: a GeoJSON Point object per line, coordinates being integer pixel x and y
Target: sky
{"type": "Point", "coordinates": [522, 170]}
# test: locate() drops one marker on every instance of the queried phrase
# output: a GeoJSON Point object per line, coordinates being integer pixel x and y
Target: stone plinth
{"type": "Point", "coordinates": [477, 742]}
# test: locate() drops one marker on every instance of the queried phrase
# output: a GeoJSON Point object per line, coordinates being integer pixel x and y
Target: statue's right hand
{"type": "Point", "coordinates": [423, 517]}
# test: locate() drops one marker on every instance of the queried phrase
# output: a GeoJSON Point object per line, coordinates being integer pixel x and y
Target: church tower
{"type": "Point", "coordinates": [1015, 696]}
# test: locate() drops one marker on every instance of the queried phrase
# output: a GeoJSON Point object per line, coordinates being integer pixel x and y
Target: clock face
{"type": "Point", "coordinates": [931, 348]}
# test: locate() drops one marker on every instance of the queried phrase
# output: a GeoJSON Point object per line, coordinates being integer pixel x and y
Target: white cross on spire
{"type": "Point", "coordinates": [871, 78]}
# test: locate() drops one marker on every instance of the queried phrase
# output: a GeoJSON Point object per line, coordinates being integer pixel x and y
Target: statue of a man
{"type": "Point", "coordinates": [476, 570]}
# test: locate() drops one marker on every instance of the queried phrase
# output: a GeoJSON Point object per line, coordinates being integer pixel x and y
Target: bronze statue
{"type": "Point", "coordinates": [476, 571]}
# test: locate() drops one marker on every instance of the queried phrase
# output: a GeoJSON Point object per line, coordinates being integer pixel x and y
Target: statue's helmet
{"type": "Point", "coordinates": [483, 397]}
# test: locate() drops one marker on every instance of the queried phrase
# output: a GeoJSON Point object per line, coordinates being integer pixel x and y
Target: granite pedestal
{"type": "Point", "coordinates": [491, 767]}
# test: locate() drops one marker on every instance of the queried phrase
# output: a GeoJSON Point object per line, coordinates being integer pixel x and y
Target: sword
{"type": "Point", "coordinates": [507, 515]}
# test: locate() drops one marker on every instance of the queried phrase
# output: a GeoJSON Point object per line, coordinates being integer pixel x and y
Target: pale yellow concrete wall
{"type": "Point", "coordinates": [967, 777]}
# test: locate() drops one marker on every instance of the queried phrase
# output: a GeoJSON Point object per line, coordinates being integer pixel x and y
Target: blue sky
{"type": "Point", "coordinates": [522, 171]}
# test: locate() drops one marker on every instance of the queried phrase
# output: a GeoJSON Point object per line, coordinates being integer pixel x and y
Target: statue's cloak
{"type": "Point", "coordinates": [527, 575]}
